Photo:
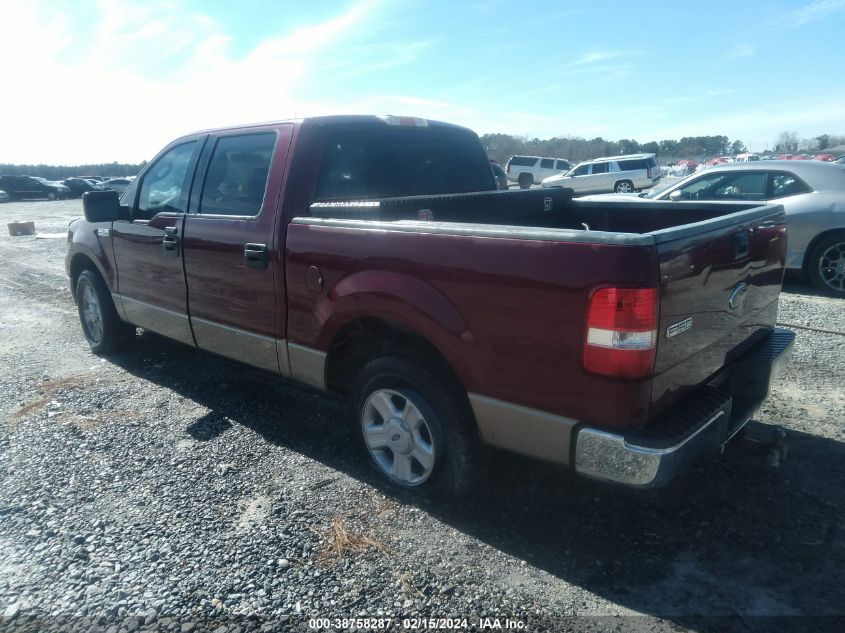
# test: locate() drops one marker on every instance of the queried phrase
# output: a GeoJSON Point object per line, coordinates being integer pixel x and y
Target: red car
{"type": "Point", "coordinates": [372, 257]}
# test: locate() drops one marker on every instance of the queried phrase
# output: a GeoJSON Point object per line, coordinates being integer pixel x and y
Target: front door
{"type": "Point", "coordinates": [148, 247]}
{"type": "Point", "coordinates": [232, 251]}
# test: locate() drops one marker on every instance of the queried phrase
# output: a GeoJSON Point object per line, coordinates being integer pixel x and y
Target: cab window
{"type": "Point", "coordinates": [582, 170]}
{"type": "Point", "coordinates": [237, 175]}
{"type": "Point", "coordinates": [163, 184]}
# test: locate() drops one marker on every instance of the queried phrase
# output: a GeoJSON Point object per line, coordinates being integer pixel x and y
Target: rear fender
{"type": "Point", "coordinates": [402, 299]}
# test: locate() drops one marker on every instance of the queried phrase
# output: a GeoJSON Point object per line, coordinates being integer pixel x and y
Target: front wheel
{"type": "Point", "coordinates": [415, 429]}
{"type": "Point", "coordinates": [105, 332]}
{"type": "Point", "coordinates": [826, 265]}
{"type": "Point", "coordinates": [51, 195]}
{"type": "Point", "coordinates": [624, 186]}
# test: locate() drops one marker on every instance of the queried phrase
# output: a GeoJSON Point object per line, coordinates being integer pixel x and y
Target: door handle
{"type": "Point", "coordinates": [740, 245]}
{"type": "Point", "coordinates": [170, 242]}
{"type": "Point", "coordinates": [255, 255]}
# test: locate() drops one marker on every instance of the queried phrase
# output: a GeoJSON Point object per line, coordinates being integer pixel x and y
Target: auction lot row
{"type": "Point", "coordinates": [166, 487]}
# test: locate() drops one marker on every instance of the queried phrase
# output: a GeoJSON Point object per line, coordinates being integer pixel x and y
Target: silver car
{"type": "Point", "coordinates": [812, 193]}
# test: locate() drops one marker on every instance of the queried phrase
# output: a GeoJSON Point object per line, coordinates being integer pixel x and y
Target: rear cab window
{"type": "Point", "coordinates": [375, 162]}
{"type": "Point", "coordinates": [547, 163]}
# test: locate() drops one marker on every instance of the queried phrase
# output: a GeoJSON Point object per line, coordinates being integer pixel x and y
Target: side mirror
{"type": "Point", "coordinates": [103, 206]}
{"type": "Point", "coordinates": [676, 195]}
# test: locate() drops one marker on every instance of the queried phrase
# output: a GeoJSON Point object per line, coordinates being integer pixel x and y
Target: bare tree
{"type": "Point", "coordinates": [786, 142]}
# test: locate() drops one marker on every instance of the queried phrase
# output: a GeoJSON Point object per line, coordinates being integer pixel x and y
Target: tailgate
{"type": "Point", "coordinates": [720, 281]}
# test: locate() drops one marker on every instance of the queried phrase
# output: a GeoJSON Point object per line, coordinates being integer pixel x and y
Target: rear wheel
{"type": "Point", "coordinates": [826, 265]}
{"type": "Point", "coordinates": [105, 332]}
{"type": "Point", "coordinates": [51, 195]}
{"type": "Point", "coordinates": [624, 186]}
{"type": "Point", "coordinates": [525, 181]}
{"type": "Point", "coordinates": [415, 429]}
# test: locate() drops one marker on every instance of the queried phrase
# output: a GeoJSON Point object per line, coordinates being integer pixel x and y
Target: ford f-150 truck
{"type": "Point", "coordinates": [372, 257]}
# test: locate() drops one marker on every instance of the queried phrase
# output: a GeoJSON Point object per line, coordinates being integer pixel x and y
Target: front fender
{"type": "Point", "coordinates": [87, 246]}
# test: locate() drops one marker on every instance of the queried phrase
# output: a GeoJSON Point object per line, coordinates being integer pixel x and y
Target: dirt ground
{"type": "Point", "coordinates": [169, 486]}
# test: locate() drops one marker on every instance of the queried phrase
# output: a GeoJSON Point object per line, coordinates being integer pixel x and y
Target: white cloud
{"type": "Point", "coordinates": [147, 73]}
{"type": "Point", "coordinates": [812, 12]}
{"type": "Point", "coordinates": [742, 50]}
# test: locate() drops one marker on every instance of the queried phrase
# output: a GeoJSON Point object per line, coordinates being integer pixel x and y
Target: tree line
{"type": "Point", "coordinates": [500, 147]}
{"type": "Point", "coordinates": [58, 172]}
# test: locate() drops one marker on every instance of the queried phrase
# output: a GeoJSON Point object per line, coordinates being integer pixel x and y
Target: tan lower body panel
{"type": "Point", "coordinates": [307, 365]}
{"type": "Point", "coordinates": [250, 348]}
{"type": "Point", "coordinates": [523, 430]}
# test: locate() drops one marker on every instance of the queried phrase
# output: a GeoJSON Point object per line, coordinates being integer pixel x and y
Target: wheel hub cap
{"type": "Point", "coordinates": [399, 437]}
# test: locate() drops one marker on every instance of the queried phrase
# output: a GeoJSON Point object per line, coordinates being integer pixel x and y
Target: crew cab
{"type": "Point", "coordinates": [372, 257]}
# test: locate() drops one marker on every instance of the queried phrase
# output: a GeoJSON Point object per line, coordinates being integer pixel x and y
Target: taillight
{"type": "Point", "coordinates": [621, 332]}
{"type": "Point", "coordinates": [508, 168]}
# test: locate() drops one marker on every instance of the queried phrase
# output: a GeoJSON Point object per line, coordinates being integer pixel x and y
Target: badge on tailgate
{"type": "Point", "coordinates": [679, 328]}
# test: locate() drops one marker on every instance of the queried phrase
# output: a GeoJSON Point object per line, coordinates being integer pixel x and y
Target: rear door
{"type": "Point", "coordinates": [718, 293]}
{"type": "Point", "coordinates": [231, 246]}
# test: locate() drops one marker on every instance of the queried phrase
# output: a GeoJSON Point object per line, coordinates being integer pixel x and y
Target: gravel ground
{"type": "Point", "coordinates": [166, 489]}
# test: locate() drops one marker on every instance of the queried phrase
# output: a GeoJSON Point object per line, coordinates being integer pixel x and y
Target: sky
{"type": "Point", "coordinates": [115, 80]}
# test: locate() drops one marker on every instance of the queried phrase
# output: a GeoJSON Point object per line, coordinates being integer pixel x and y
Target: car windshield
{"type": "Point", "coordinates": [654, 192]}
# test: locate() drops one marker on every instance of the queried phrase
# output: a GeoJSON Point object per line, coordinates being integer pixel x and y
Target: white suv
{"type": "Point", "coordinates": [527, 170]}
{"type": "Point", "coordinates": [622, 174]}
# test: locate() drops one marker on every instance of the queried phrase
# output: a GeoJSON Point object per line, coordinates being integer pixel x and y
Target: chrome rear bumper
{"type": "Point", "coordinates": [653, 456]}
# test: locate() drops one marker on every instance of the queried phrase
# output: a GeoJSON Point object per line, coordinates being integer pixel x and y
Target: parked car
{"type": "Point", "coordinates": [29, 187]}
{"type": "Point", "coordinates": [812, 194]}
{"type": "Point", "coordinates": [623, 349]}
{"type": "Point", "coordinates": [79, 186]}
{"type": "Point", "coordinates": [116, 184]}
{"type": "Point", "coordinates": [827, 156]}
{"type": "Point", "coordinates": [4, 197]}
{"type": "Point", "coordinates": [529, 170]}
{"type": "Point", "coordinates": [747, 157]}
{"type": "Point", "coordinates": [623, 174]}
{"type": "Point", "coordinates": [501, 176]}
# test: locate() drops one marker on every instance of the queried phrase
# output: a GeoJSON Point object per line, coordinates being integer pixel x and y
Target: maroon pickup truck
{"type": "Point", "coordinates": [373, 257]}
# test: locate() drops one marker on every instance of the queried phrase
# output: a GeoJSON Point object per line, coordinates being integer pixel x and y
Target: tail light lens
{"type": "Point", "coordinates": [621, 332]}
{"type": "Point", "coordinates": [508, 168]}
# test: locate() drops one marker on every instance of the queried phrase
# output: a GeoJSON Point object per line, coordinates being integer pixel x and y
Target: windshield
{"type": "Point", "coordinates": [654, 192]}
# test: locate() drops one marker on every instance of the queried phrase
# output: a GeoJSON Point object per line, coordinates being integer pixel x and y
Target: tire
{"type": "Point", "coordinates": [415, 429]}
{"type": "Point", "coordinates": [826, 264]}
{"type": "Point", "coordinates": [51, 195]}
{"type": "Point", "coordinates": [105, 332]}
{"type": "Point", "coordinates": [624, 186]}
{"type": "Point", "coordinates": [525, 181]}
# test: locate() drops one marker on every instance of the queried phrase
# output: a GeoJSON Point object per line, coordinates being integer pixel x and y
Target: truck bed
{"type": "Point", "coordinates": [518, 307]}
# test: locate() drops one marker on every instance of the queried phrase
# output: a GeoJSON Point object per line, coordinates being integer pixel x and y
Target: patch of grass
{"type": "Point", "coordinates": [48, 389]}
{"type": "Point", "coordinates": [340, 541]}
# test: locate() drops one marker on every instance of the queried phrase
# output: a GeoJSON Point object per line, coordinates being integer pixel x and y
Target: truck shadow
{"type": "Point", "coordinates": [735, 536]}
